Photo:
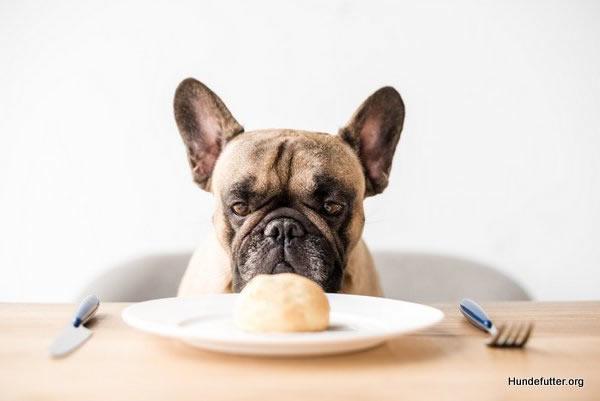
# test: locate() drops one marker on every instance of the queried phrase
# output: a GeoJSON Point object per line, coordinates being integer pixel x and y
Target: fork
{"type": "Point", "coordinates": [511, 335]}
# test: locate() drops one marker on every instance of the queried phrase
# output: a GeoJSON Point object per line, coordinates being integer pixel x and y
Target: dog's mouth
{"type": "Point", "coordinates": [282, 267]}
{"type": "Point", "coordinates": [286, 241]}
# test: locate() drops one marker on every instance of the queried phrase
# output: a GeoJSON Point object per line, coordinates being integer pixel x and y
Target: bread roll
{"type": "Point", "coordinates": [283, 302]}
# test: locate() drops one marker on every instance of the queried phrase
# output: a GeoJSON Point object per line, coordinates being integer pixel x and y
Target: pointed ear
{"type": "Point", "coordinates": [205, 125]}
{"type": "Point", "coordinates": [373, 132]}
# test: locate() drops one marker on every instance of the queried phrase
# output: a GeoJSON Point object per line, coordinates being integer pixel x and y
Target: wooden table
{"type": "Point", "coordinates": [446, 362]}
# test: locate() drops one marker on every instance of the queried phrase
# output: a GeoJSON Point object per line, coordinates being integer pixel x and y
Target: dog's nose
{"type": "Point", "coordinates": [283, 229]}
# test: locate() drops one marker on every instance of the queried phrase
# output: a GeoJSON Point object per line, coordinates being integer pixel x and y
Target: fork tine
{"type": "Point", "coordinates": [512, 334]}
{"type": "Point", "coordinates": [493, 342]}
{"type": "Point", "coordinates": [502, 341]}
{"type": "Point", "coordinates": [525, 338]}
{"type": "Point", "coordinates": [521, 334]}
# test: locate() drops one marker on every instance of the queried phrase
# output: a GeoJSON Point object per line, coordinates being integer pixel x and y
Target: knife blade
{"type": "Point", "coordinates": [75, 333]}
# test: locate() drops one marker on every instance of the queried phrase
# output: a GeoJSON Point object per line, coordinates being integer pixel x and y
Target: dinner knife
{"type": "Point", "coordinates": [75, 333]}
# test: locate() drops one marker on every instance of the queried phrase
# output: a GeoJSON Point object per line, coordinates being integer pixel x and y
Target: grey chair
{"type": "Point", "coordinates": [427, 278]}
{"type": "Point", "coordinates": [148, 277]}
{"type": "Point", "coordinates": [417, 277]}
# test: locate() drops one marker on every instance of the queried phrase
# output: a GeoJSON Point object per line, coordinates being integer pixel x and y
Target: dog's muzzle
{"type": "Point", "coordinates": [286, 241]}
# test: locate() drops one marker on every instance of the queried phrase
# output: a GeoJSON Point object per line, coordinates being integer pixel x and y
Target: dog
{"type": "Point", "coordinates": [286, 200]}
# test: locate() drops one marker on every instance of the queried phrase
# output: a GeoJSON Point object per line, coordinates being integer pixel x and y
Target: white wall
{"type": "Point", "coordinates": [499, 161]}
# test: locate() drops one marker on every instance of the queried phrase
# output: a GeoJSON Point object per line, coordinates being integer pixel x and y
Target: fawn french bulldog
{"type": "Point", "coordinates": [286, 200]}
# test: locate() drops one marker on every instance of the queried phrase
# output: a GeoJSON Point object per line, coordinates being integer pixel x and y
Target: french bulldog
{"type": "Point", "coordinates": [286, 200]}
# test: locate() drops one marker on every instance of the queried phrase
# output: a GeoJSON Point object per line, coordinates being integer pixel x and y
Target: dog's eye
{"type": "Point", "coordinates": [240, 208]}
{"type": "Point", "coordinates": [333, 208]}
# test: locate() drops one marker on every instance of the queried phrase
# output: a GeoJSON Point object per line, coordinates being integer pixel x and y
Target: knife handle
{"type": "Point", "coordinates": [86, 310]}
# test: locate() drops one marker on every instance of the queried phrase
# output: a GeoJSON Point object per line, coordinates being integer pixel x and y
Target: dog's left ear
{"type": "Point", "coordinates": [205, 125]}
{"type": "Point", "coordinates": [373, 132]}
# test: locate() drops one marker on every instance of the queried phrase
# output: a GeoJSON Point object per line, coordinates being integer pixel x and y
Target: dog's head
{"type": "Point", "coordinates": [288, 200]}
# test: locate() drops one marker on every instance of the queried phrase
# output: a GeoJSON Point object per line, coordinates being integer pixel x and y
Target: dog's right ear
{"type": "Point", "coordinates": [205, 125]}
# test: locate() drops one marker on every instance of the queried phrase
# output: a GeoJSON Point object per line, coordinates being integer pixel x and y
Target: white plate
{"type": "Point", "coordinates": [356, 322]}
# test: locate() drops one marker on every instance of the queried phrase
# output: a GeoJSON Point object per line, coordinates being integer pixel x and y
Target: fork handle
{"type": "Point", "coordinates": [476, 315]}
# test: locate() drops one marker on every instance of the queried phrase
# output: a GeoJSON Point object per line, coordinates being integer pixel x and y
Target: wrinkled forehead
{"type": "Point", "coordinates": [270, 161]}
